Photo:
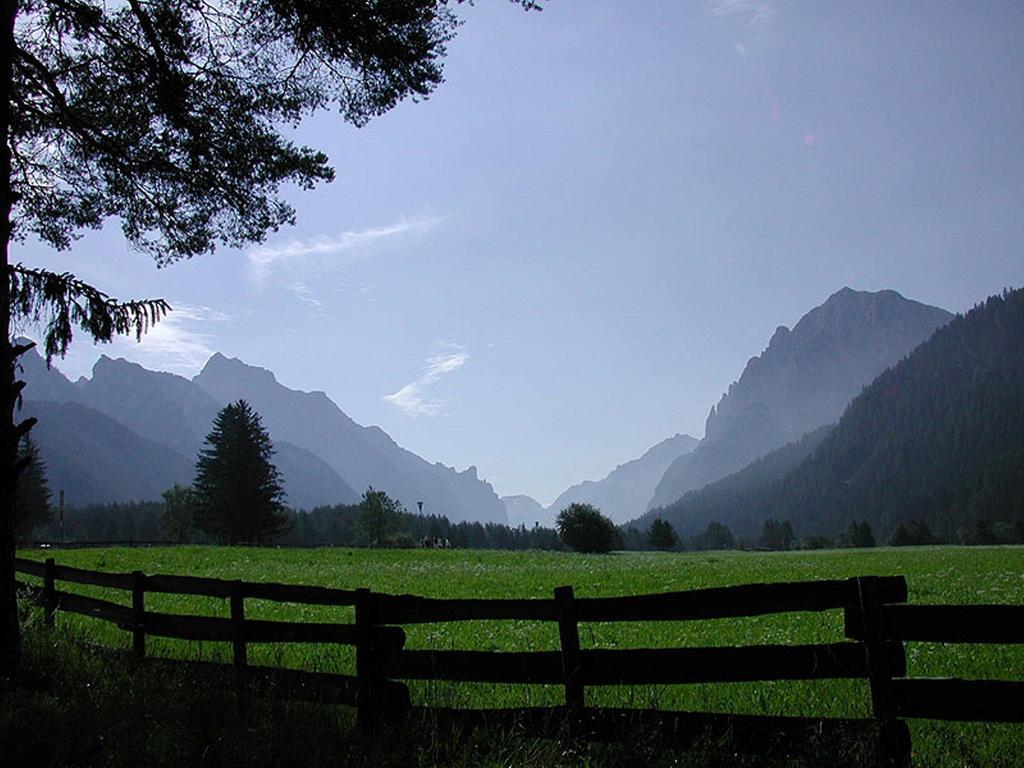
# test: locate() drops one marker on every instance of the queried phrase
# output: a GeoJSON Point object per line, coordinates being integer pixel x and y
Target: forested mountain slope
{"type": "Point", "coordinates": [938, 438]}
{"type": "Point", "coordinates": [803, 380]}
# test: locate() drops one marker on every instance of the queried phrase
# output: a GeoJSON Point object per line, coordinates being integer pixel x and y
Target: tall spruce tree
{"type": "Point", "coordinates": [170, 116]}
{"type": "Point", "coordinates": [662, 535]}
{"type": "Point", "coordinates": [32, 505]}
{"type": "Point", "coordinates": [238, 490]}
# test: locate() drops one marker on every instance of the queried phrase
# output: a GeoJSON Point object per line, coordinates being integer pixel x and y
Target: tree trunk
{"type": "Point", "coordinates": [10, 635]}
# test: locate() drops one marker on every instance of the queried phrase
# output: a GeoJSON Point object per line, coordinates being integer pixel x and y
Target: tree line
{"type": "Point", "coordinates": [237, 498]}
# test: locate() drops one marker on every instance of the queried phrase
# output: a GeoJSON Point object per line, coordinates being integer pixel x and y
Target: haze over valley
{"type": "Point", "coordinates": [127, 433]}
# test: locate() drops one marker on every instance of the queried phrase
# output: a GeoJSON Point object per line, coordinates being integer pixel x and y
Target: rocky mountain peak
{"type": "Point", "coordinates": [802, 380]}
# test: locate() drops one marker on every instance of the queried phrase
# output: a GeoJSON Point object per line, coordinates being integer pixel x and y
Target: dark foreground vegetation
{"type": "Point", "coordinates": [74, 702]}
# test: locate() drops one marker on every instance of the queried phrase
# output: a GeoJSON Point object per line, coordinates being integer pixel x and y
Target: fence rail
{"type": "Point", "coordinates": [876, 616]}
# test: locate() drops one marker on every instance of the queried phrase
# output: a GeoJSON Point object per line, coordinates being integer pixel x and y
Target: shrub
{"type": "Point", "coordinates": [583, 528]}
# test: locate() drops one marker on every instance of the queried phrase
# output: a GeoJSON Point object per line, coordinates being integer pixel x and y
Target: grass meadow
{"type": "Point", "coordinates": [934, 574]}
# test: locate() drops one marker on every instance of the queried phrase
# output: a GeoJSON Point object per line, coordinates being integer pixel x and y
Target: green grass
{"type": "Point", "coordinates": [934, 575]}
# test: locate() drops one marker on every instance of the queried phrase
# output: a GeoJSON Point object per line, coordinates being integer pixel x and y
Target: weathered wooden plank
{"type": "Point", "coordinates": [96, 578]}
{"type": "Point", "coordinates": [184, 627]}
{"type": "Point", "coordinates": [569, 641]}
{"type": "Point", "coordinates": [31, 567]}
{"type": "Point", "coordinates": [743, 600]}
{"type": "Point", "coordinates": [728, 664]}
{"type": "Point", "coordinates": [188, 585]}
{"type": "Point", "coordinates": [479, 666]}
{"type": "Point", "coordinates": [138, 614]}
{"type": "Point", "coordinates": [948, 623]}
{"type": "Point", "coordinates": [94, 607]}
{"type": "Point", "coordinates": [288, 684]}
{"type": "Point", "coordinates": [239, 630]}
{"type": "Point", "coordinates": [998, 701]}
{"type": "Point", "coordinates": [410, 609]}
{"type": "Point", "coordinates": [881, 669]}
{"type": "Point", "coordinates": [260, 631]}
{"type": "Point", "coordinates": [297, 593]}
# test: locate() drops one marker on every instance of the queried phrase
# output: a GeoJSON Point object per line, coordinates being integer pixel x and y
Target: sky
{"type": "Point", "coordinates": [568, 252]}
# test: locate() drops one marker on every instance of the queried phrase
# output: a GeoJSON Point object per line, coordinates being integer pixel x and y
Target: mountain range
{"type": "Point", "coordinates": [803, 380]}
{"type": "Point", "coordinates": [128, 433]}
{"type": "Point", "coordinates": [937, 438]}
{"type": "Point", "coordinates": [621, 494]}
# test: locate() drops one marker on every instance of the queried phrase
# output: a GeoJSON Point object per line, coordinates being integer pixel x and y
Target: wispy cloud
{"type": "Point", "coordinates": [304, 293]}
{"type": "Point", "coordinates": [754, 11]}
{"type": "Point", "coordinates": [411, 399]}
{"type": "Point", "coordinates": [325, 251]}
{"type": "Point", "coordinates": [180, 343]}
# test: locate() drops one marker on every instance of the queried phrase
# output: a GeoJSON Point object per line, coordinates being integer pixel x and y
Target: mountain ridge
{"type": "Point", "coordinates": [935, 438]}
{"type": "Point", "coordinates": [177, 413]}
{"type": "Point", "coordinates": [621, 494]}
{"type": "Point", "coordinates": [801, 381]}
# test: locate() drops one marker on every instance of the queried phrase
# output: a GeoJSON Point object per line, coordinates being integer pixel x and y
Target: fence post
{"type": "Point", "coordinates": [238, 624]}
{"type": "Point", "coordinates": [139, 614]}
{"type": "Point", "coordinates": [569, 637]}
{"type": "Point", "coordinates": [49, 593]}
{"type": "Point", "coordinates": [883, 703]}
{"type": "Point", "coordinates": [366, 706]}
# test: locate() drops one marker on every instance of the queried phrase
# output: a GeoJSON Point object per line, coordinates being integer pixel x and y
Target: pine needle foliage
{"type": "Point", "coordinates": [32, 503]}
{"type": "Point", "coordinates": [61, 302]}
{"type": "Point", "coordinates": [239, 498]}
{"type": "Point", "coordinates": [662, 535]}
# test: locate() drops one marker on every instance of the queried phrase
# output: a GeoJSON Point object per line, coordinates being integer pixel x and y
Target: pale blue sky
{"type": "Point", "coordinates": [571, 249]}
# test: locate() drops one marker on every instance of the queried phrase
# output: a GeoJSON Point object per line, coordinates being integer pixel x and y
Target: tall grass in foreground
{"type": "Point", "coordinates": [935, 575]}
{"type": "Point", "coordinates": [76, 703]}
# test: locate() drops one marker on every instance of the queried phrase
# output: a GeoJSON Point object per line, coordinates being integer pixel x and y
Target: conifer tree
{"type": "Point", "coordinates": [32, 505]}
{"type": "Point", "coordinates": [239, 498]}
{"type": "Point", "coordinates": [662, 535]}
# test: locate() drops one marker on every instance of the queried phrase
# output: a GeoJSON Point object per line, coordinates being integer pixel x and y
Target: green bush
{"type": "Point", "coordinates": [583, 528]}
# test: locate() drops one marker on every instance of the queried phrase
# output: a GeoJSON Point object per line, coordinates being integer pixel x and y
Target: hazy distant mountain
{"type": "Point", "coordinates": [166, 410]}
{"type": "Point", "coordinates": [44, 383]}
{"type": "Point", "coordinates": [308, 480]}
{"type": "Point", "coordinates": [623, 493]}
{"type": "Point", "coordinates": [94, 458]}
{"type": "Point", "coordinates": [803, 380]}
{"type": "Point", "coordinates": [939, 437]}
{"type": "Point", "coordinates": [175, 412]}
{"type": "Point", "coordinates": [727, 500]}
{"type": "Point", "coordinates": [525, 510]}
{"type": "Point", "coordinates": [362, 456]}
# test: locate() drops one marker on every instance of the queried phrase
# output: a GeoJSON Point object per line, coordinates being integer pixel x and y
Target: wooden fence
{"type": "Point", "coordinates": [877, 622]}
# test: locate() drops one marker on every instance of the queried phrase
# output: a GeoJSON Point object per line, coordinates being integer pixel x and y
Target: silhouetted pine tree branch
{"type": "Point", "coordinates": [63, 302]}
